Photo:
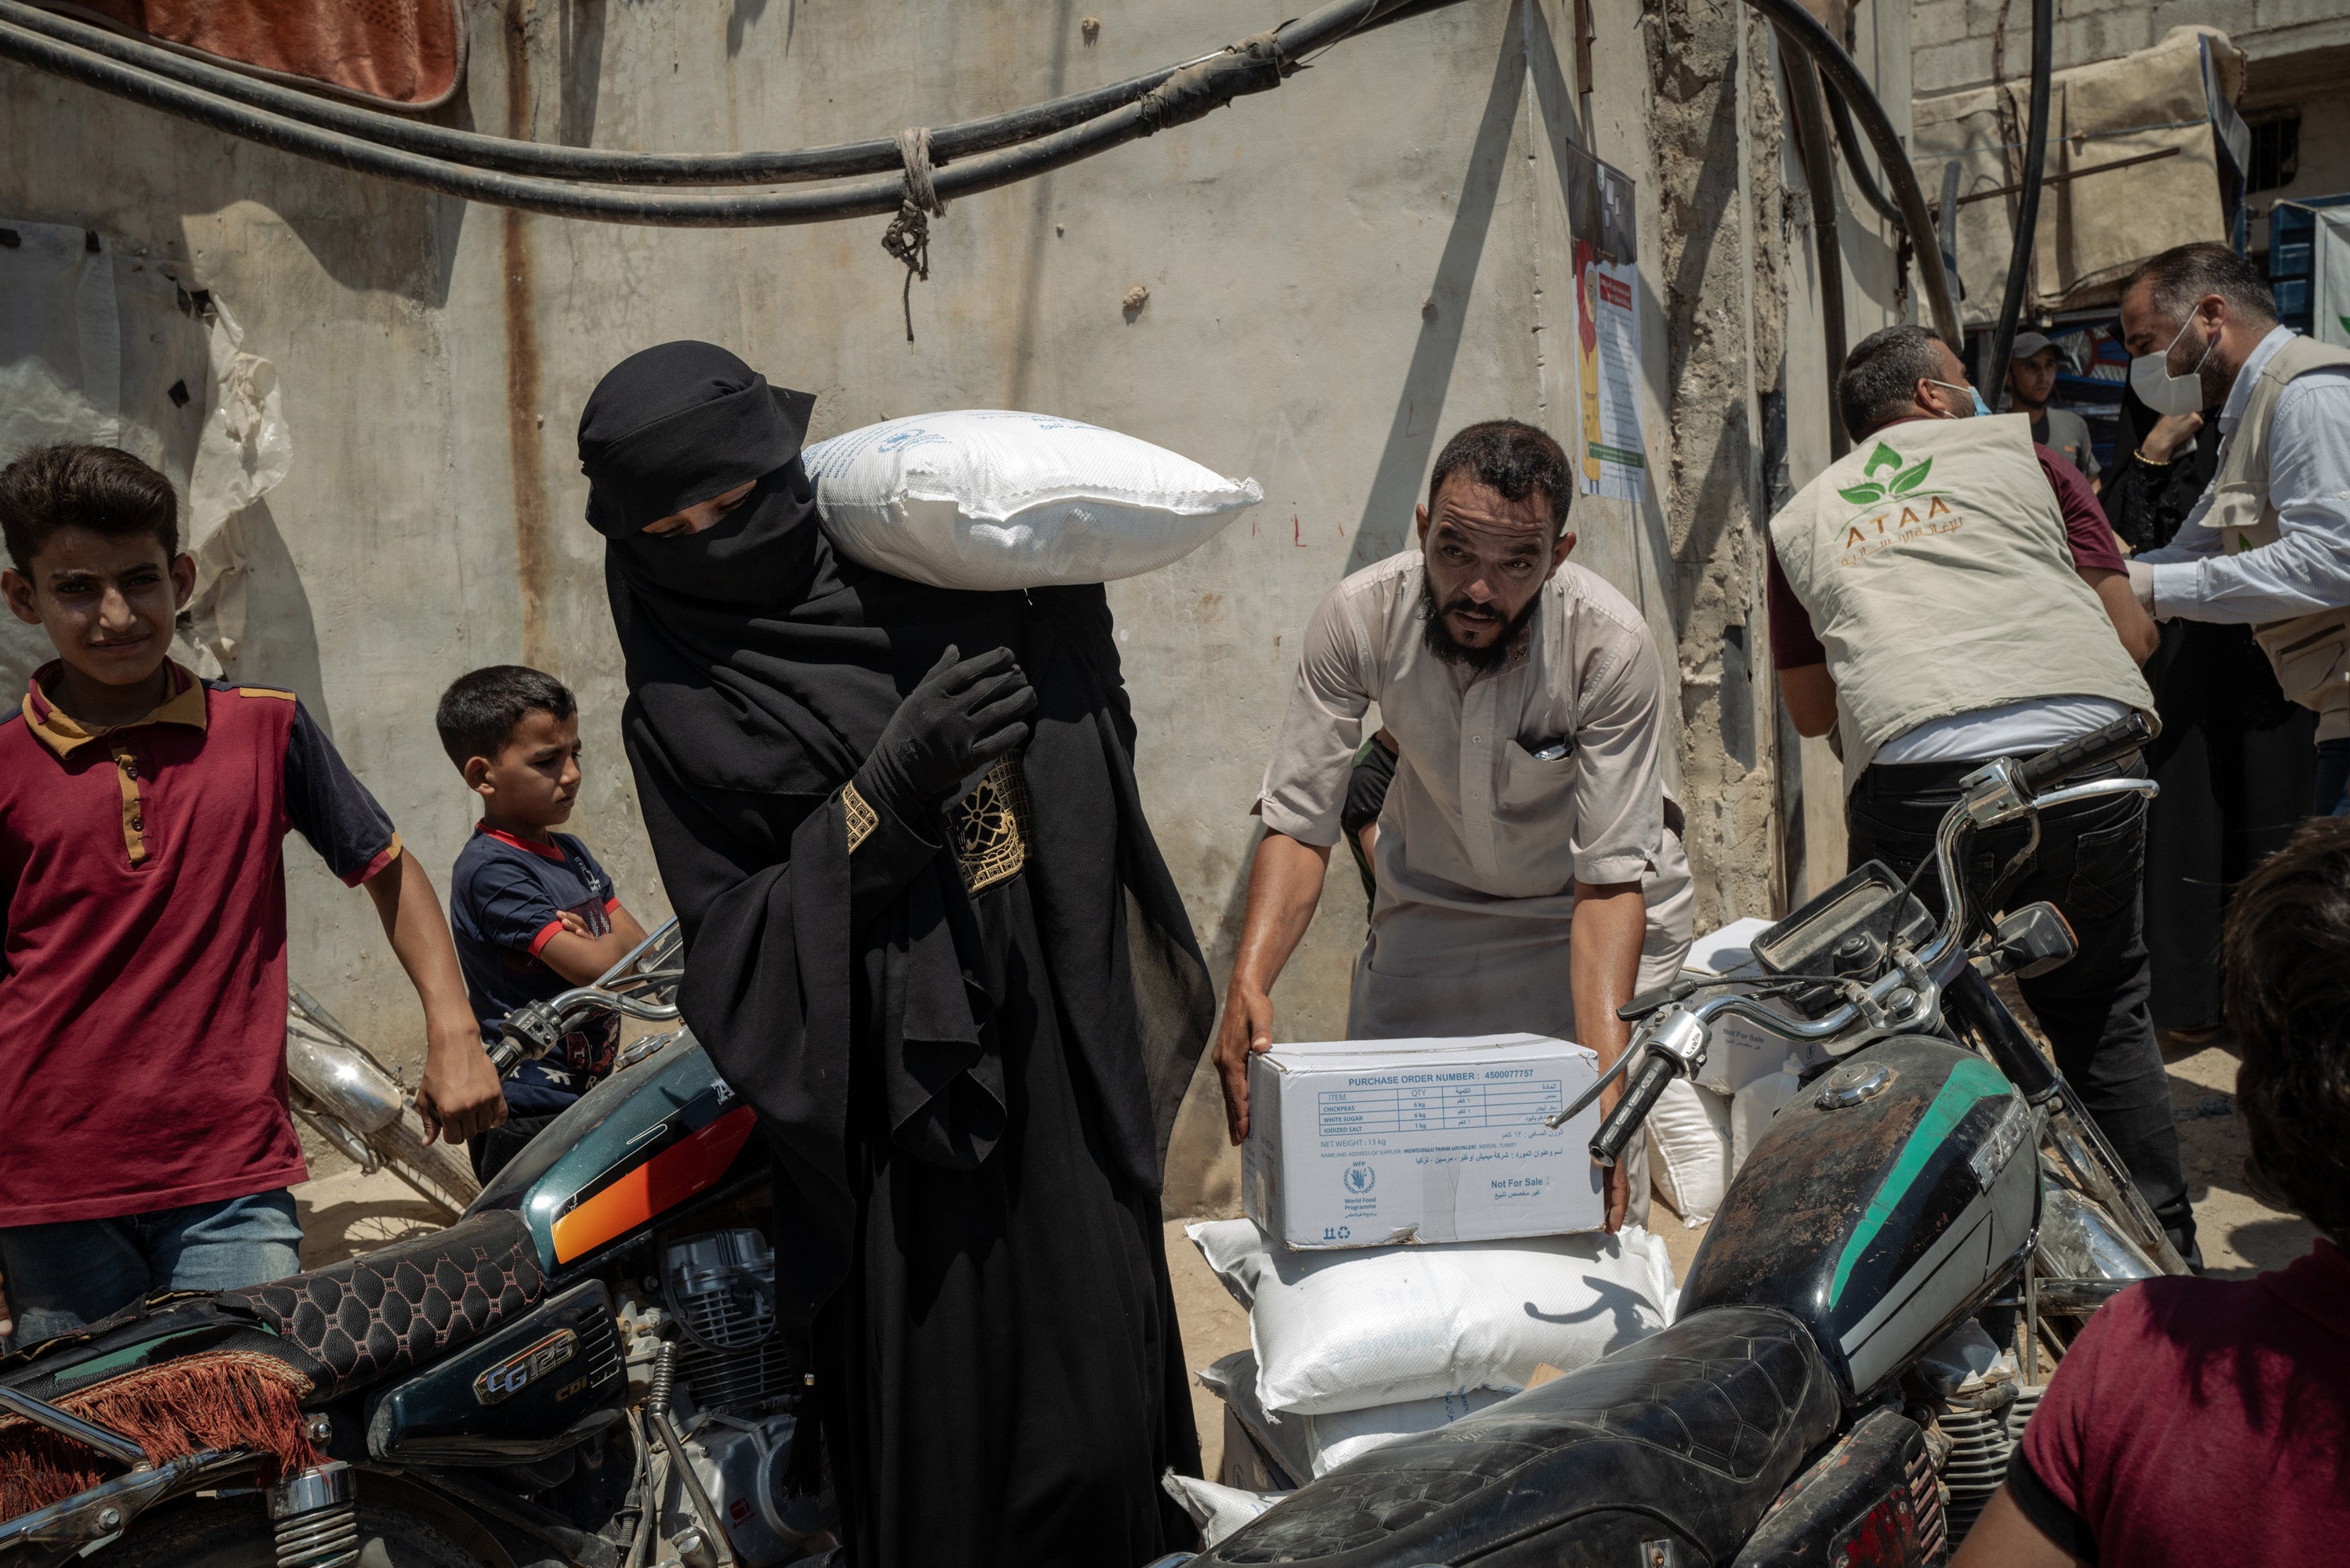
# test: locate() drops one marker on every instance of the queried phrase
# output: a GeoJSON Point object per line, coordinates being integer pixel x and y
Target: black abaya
{"type": "Point", "coordinates": [968, 1091]}
{"type": "Point", "coordinates": [1007, 1368]}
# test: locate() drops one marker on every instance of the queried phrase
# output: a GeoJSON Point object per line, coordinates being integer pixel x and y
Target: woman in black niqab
{"type": "Point", "coordinates": [966, 1036]}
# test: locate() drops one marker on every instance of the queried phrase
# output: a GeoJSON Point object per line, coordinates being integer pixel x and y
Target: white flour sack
{"type": "Point", "coordinates": [1347, 1331]}
{"type": "Point", "coordinates": [1688, 1149]}
{"type": "Point", "coordinates": [984, 499]}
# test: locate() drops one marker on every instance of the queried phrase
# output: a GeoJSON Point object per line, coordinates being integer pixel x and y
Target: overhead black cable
{"type": "Point", "coordinates": [1849, 139]}
{"type": "Point", "coordinates": [1844, 78]}
{"type": "Point", "coordinates": [1255, 65]}
{"type": "Point", "coordinates": [2027, 200]}
{"type": "Point", "coordinates": [1803, 88]}
{"type": "Point", "coordinates": [987, 153]}
{"type": "Point", "coordinates": [604, 166]}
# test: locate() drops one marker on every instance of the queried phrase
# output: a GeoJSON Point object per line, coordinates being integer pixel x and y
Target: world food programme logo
{"type": "Point", "coordinates": [1360, 1179]}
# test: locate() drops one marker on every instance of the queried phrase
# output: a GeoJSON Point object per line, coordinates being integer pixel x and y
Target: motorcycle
{"type": "Point", "coordinates": [1826, 1396]}
{"type": "Point", "coordinates": [340, 1090]}
{"type": "Point", "coordinates": [586, 1369]}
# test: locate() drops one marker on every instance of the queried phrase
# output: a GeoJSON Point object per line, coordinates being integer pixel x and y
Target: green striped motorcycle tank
{"type": "Point", "coordinates": [1888, 1199]}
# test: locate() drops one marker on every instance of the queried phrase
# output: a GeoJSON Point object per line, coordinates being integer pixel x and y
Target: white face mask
{"type": "Point", "coordinates": [2165, 393]}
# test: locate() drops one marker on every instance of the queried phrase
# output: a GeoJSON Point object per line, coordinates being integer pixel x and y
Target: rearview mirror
{"type": "Point", "coordinates": [2035, 940]}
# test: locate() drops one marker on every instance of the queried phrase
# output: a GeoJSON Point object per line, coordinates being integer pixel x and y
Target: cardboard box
{"type": "Point", "coordinates": [1367, 1143]}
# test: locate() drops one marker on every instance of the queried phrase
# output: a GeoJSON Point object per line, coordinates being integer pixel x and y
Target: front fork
{"type": "Point", "coordinates": [2088, 1158]}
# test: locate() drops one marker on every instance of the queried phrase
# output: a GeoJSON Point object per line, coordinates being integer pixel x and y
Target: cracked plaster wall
{"type": "Point", "coordinates": [1339, 274]}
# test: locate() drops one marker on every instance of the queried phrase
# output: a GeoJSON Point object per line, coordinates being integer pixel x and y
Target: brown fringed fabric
{"type": "Point", "coordinates": [227, 1399]}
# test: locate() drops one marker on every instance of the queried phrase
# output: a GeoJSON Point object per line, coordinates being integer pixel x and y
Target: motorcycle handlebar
{"type": "Point", "coordinates": [1624, 1123]}
{"type": "Point", "coordinates": [2128, 734]}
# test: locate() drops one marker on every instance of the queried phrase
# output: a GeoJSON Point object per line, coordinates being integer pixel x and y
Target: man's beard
{"type": "Point", "coordinates": [1437, 638]}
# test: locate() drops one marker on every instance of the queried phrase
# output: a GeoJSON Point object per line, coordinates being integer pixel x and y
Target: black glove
{"type": "Point", "coordinates": [963, 715]}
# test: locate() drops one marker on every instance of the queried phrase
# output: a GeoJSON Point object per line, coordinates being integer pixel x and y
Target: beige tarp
{"type": "Point", "coordinates": [2092, 231]}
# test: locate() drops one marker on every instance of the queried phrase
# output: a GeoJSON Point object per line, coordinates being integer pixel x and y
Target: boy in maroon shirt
{"type": "Point", "coordinates": [2202, 1421]}
{"type": "Point", "coordinates": [146, 1142]}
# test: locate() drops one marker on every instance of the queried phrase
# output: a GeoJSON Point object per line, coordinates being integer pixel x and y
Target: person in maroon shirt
{"type": "Point", "coordinates": [147, 1143]}
{"type": "Point", "coordinates": [2202, 1421]}
{"type": "Point", "coordinates": [2089, 858]}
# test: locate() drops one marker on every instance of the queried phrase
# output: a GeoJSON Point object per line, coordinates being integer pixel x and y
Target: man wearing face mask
{"type": "Point", "coordinates": [1946, 592]}
{"type": "Point", "coordinates": [1528, 870]}
{"type": "Point", "coordinates": [2268, 544]}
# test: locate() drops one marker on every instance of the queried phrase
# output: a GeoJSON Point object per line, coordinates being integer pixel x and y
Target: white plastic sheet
{"type": "Point", "coordinates": [100, 344]}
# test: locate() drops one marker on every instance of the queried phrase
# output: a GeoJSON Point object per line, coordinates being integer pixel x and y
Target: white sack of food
{"type": "Point", "coordinates": [1751, 1108]}
{"type": "Point", "coordinates": [1688, 1149]}
{"type": "Point", "coordinates": [1218, 1511]}
{"type": "Point", "coordinates": [987, 499]}
{"type": "Point", "coordinates": [1333, 1439]}
{"type": "Point", "coordinates": [1309, 1446]}
{"type": "Point", "coordinates": [1347, 1331]}
{"type": "Point", "coordinates": [1285, 1441]}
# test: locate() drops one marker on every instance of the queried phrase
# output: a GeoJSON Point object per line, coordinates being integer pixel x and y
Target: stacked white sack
{"type": "Point", "coordinates": [1752, 1108]}
{"type": "Point", "coordinates": [1218, 1511]}
{"type": "Point", "coordinates": [1311, 1447]}
{"type": "Point", "coordinates": [1350, 1330]}
{"type": "Point", "coordinates": [1688, 1149]}
{"type": "Point", "coordinates": [988, 500]}
{"type": "Point", "coordinates": [1740, 1050]}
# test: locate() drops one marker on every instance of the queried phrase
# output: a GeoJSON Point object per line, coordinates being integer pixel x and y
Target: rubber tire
{"type": "Point", "coordinates": [234, 1532]}
{"type": "Point", "coordinates": [440, 1174]}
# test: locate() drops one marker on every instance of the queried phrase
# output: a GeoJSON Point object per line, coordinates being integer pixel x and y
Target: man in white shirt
{"type": "Point", "coordinates": [2268, 544]}
{"type": "Point", "coordinates": [1528, 874]}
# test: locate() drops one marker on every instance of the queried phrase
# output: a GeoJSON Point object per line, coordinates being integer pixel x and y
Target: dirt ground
{"type": "Point", "coordinates": [344, 1214]}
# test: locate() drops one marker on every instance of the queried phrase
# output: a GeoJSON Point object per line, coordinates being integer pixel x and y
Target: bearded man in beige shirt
{"type": "Point", "coordinates": [1524, 697]}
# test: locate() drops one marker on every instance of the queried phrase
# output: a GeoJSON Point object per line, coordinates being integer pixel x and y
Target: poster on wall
{"type": "Point", "coordinates": [1610, 455]}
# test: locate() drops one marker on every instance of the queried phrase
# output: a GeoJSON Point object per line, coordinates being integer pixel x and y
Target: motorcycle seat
{"type": "Point", "coordinates": [1690, 1434]}
{"type": "Point", "coordinates": [403, 1305]}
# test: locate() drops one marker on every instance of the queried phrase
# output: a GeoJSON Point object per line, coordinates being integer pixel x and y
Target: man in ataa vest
{"type": "Point", "coordinates": [2268, 544]}
{"type": "Point", "coordinates": [1946, 592]}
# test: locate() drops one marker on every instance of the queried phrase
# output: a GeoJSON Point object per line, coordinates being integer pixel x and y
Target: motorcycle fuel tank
{"type": "Point", "coordinates": [635, 1147]}
{"type": "Point", "coordinates": [1885, 1201]}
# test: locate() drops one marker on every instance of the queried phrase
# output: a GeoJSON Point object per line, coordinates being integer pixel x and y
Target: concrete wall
{"type": "Point", "coordinates": [1339, 273]}
{"type": "Point", "coordinates": [1960, 44]}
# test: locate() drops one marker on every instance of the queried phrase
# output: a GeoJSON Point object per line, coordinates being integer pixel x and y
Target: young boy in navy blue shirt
{"type": "Point", "coordinates": [533, 912]}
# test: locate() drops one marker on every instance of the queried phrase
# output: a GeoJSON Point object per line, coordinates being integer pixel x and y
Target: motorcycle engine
{"type": "Point", "coordinates": [720, 1291]}
{"type": "Point", "coordinates": [737, 1371]}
